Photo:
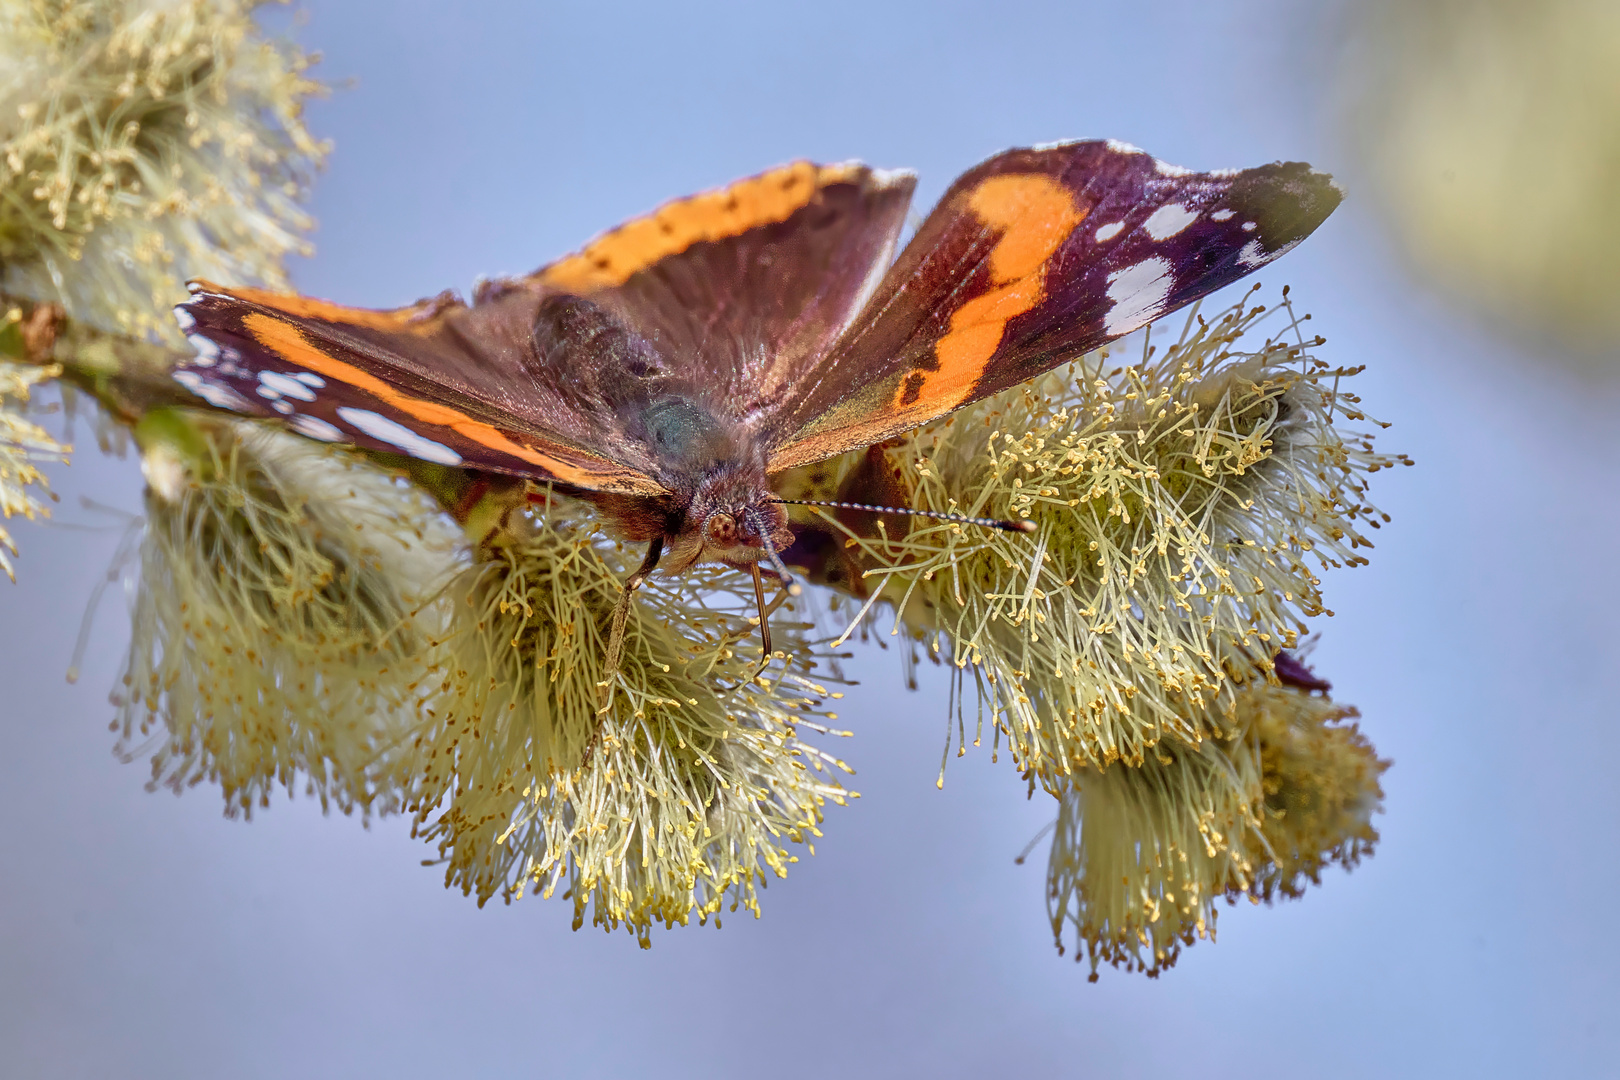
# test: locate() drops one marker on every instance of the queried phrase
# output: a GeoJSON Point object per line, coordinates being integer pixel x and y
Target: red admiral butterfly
{"type": "Point", "coordinates": [670, 368]}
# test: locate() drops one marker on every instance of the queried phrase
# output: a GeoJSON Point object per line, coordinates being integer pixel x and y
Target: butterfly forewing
{"type": "Point", "coordinates": [1031, 259]}
{"type": "Point", "coordinates": [436, 381]}
{"type": "Point", "coordinates": [740, 289]}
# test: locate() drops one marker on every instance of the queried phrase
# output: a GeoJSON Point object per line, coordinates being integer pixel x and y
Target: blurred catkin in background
{"type": "Point", "coordinates": [1488, 134]}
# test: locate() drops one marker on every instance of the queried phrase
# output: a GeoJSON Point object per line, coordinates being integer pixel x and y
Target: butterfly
{"type": "Point", "coordinates": [669, 368]}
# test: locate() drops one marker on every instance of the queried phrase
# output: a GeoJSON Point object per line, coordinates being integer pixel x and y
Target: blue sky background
{"type": "Point", "coordinates": [144, 935]}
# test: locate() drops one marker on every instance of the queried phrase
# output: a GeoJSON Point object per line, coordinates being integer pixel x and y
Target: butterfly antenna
{"type": "Point", "coordinates": [757, 523]}
{"type": "Point", "coordinates": [1023, 525]}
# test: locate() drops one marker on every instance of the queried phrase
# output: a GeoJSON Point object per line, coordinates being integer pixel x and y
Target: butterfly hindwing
{"type": "Point", "coordinates": [1032, 258]}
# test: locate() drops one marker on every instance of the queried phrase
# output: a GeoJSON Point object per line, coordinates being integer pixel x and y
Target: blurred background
{"type": "Point", "coordinates": [1472, 270]}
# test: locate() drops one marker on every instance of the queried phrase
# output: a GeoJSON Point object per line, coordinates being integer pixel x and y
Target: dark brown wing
{"type": "Point", "coordinates": [1031, 259]}
{"type": "Point", "coordinates": [712, 302]}
{"type": "Point", "coordinates": [741, 289]}
{"type": "Point", "coordinates": [437, 381]}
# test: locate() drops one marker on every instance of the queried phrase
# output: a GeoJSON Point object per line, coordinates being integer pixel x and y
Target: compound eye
{"type": "Point", "coordinates": [722, 529]}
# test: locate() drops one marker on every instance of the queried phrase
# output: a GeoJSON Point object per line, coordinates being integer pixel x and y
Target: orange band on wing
{"type": "Point", "coordinates": [288, 342]}
{"type": "Point", "coordinates": [1036, 214]}
{"type": "Point", "coordinates": [771, 197]}
{"type": "Point", "coordinates": [409, 319]}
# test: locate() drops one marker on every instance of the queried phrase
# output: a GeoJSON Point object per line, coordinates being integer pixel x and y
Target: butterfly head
{"type": "Point", "coordinates": [749, 535]}
{"type": "Point", "coordinates": [733, 520]}
{"type": "Point", "coordinates": [740, 534]}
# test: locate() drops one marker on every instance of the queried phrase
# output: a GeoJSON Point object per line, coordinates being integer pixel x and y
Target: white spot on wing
{"type": "Point", "coordinates": [1254, 255]}
{"type": "Point", "coordinates": [218, 395]}
{"type": "Point", "coordinates": [1221, 215]}
{"type": "Point", "coordinates": [1249, 226]}
{"type": "Point", "coordinates": [1138, 293]}
{"type": "Point", "coordinates": [184, 318]}
{"type": "Point", "coordinates": [1168, 220]}
{"type": "Point", "coordinates": [1223, 173]}
{"type": "Point", "coordinates": [285, 408]}
{"type": "Point", "coordinates": [309, 378]}
{"type": "Point", "coordinates": [207, 351]}
{"type": "Point", "coordinates": [285, 385]}
{"type": "Point", "coordinates": [1109, 231]}
{"type": "Point", "coordinates": [1119, 147]}
{"type": "Point", "coordinates": [315, 428]}
{"type": "Point", "coordinates": [1164, 168]}
{"type": "Point", "coordinates": [382, 429]}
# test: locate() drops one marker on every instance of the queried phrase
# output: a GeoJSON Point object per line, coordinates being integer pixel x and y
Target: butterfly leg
{"type": "Point", "coordinates": [615, 650]}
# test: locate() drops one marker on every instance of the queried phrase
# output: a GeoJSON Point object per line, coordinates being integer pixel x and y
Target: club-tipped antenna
{"type": "Point", "coordinates": [757, 523]}
{"type": "Point", "coordinates": [1023, 525]}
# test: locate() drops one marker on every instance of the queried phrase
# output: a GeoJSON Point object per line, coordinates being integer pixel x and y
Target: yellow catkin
{"type": "Point", "coordinates": [698, 788]}
{"type": "Point", "coordinates": [142, 143]}
{"type": "Point", "coordinates": [24, 446]}
{"type": "Point", "coordinates": [1141, 853]}
{"type": "Point", "coordinates": [285, 622]}
{"type": "Point", "coordinates": [1184, 495]}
